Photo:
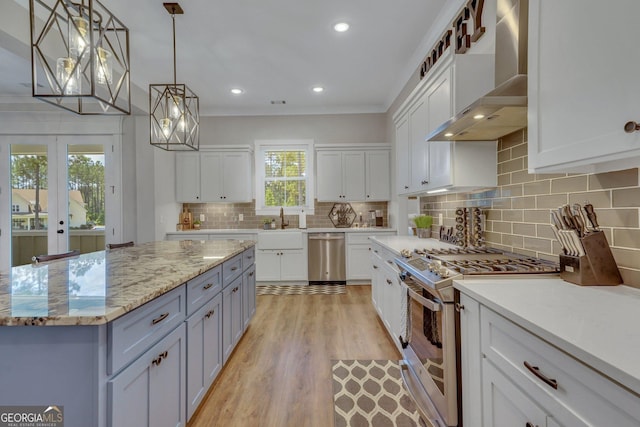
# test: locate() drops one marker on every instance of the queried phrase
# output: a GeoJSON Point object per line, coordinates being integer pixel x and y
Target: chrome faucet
{"type": "Point", "coordinates": [283, 224]}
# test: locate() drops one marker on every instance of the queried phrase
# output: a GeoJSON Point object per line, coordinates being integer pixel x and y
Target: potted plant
{"type": "Point", "coordinates": [423, 224]}
{"type": "Point", "coordinates": [196, 224]}
{"type": "Point", "coordinates": [267, 223]}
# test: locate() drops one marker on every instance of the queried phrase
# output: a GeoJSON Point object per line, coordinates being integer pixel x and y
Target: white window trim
{"type": "Point", "coordinates": [262, 145]}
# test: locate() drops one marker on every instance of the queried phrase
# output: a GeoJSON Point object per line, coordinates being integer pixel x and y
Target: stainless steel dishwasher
{"type": "Point", "coordinates": [327, 258]}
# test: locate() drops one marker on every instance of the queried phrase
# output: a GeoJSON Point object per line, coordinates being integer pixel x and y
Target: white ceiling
{"type": "Point", "coordinates": [272, 49]}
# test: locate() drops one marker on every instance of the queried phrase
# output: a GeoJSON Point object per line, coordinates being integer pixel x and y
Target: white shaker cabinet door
{"type": "Point", "coordinates": [237, 177]}
{"type": "Point", "coordinates": [212, 169]}
{"type": "Point", "coordinates": [329, 183]}
{"type": "Point", "coordinates": [378, 178]}
{"type": "Point", "coordinates": [583, 85]}
{"type": "Point", "coordinates": [188, 178]}
{"type": "Point", "coordinates": [353, 175]}
{"type": "Point", "coordinates": [418, 122]}
{"type": "Point", "coordinates": [403, 157]}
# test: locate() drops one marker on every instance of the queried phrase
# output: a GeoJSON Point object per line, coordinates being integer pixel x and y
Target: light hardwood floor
{"type": "Point", "coordinates": [280, 373]}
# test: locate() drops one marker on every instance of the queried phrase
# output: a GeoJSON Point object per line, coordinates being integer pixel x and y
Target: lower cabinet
{"type": "Point", "coordinates": [387, 293]}
{"type": "Point", "coordinates": [505, 404]}
{"type": "Point", "coordinates": [232, 320]}
{"type": "Point", "coordinates": [204, 351]}
{"type": "Point", "coordinates": [511, 377]}
{"type": "Point", "coordinates": [282, 265]}
{"type": "Point", "coordinates": [359, 254]}
{"type": "Point", "coordinates": [151, 391]}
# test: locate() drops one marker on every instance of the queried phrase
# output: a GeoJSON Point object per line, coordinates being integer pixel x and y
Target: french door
{"type": "Point", "coordinates": [62, 195]}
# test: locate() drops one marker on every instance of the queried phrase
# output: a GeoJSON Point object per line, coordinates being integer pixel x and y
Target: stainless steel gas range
{"type": "Point", "coordinates": [431, 345]}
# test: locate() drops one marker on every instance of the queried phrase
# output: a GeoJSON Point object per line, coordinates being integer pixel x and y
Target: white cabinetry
{"type": "Point", "coordinates": [520, 379]}
{"type": "Point", "coordinates": [353, 174]}
{"type": "Point", "coordinates": [583, 89]}
{"type": "Point", "coordinates": [220, 175]}
{"type": "Point", "coordinates": [281, 256]}
{"type": "Point", "coordinates": [387, 293]}
{"type": "Point", "coordinates": [429, 165]}
{"type": "Point", "coordinates": [358, 254]}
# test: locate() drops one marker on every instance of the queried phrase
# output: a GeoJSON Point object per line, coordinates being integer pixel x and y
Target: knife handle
{"type": "Point", "coordinates": [591, 214]}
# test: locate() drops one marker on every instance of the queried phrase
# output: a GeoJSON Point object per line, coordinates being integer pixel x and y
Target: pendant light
{"type": "Point", "coordinates": [79, 57]}
{"type": "Point", "coordinates": [174, 108]}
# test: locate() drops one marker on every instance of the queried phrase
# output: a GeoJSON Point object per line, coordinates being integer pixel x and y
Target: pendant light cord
{"type": "Point", "coordinates": [173, 18]}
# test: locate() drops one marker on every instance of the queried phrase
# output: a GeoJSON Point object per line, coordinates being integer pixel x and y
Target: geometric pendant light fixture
{"type": "Point", "coordinates": [174, 110]}
{"type": "Point", "coordinates": [79, 57]}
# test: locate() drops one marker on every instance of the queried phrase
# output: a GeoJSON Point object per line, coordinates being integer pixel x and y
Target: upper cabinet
{"type": "Point", "coordinates": [353, 174]}
{"type": "Point", "coordinates": [219, 175]}
{"type": "Point", "coordinates": [583, 85]}
{"type": "Point", "coordinates": [423, 165]}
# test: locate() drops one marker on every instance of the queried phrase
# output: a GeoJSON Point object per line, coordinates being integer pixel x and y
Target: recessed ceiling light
{"type": "Point", "coordinates": [237, 91]}
{"type": "Point", "coordinates": [478, 116]}
{"type": "Point", "coordinates": [318, 89]}
{"type": "Point", "coordinates": [448, 134]}
{"type": "Point", "coordinates": [341, 27]}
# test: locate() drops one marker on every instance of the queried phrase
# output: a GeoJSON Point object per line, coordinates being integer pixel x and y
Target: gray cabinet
{"type": "Point", "coordinates": [204, 351]}
{"type": "Point", "coordinates": [231, 316]}
{"type": "Point", "coordinates": [248, 295]}
{"type": "Point", "coordinates": [150, 391]}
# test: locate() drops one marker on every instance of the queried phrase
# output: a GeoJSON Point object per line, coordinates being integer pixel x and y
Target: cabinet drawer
{"type": "Point", "coordinates": [386, 256]}
{"type": "Point", "coordinates": [248, 257]}
{"type": "Point", "coordinates": [580, 390]}
{"type": "Point", "coordinates": [358, 239]}
{"type": "Point", "coordinates": [132, 334]}
{"type": "Point", "coordinates": [231, 269]}
{"type": "Point", "coordinates": [202, 288]}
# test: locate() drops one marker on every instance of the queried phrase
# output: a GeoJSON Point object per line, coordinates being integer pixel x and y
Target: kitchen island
{"type": "Point", "coordinates": [104, 335]}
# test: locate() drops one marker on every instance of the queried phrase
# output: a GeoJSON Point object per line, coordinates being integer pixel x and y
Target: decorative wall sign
{"type": "Point", "coordinates": [471, 12]}
{"type": "Point", "coordinates": [342, 215]}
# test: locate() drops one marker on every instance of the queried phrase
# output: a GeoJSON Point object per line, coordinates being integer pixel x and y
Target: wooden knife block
{"type": "Point", "coordinates": [596, 268]}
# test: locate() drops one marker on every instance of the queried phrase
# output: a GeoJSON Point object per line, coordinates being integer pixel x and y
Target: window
{"type": "Point", "coordinates": [15, 208]}
{"type": "Point", "coordinates": [284, 176]}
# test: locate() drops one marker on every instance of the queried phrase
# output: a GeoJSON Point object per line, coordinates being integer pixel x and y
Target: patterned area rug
{"type": "Point", "coordinates": [300, 290]}
{"type": "Point", "coordinates": [370, 393]}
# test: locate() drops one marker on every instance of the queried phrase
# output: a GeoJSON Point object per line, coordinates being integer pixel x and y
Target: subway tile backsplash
{"type": "Point", "coordinates": [517, 211]}
{"type": "Point", "coordinates": [227, 215]}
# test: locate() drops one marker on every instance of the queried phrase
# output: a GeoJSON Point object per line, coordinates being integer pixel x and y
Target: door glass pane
{"type": "Point", "coordinates": [86, 197]}
{"type": "Point", "coordinates": [29, 202]}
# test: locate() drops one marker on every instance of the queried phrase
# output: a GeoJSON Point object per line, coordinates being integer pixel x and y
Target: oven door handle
{"type": "Point", "coordinates": [433, 306]}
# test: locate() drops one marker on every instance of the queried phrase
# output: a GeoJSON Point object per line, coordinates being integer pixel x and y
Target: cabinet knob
{"type": "Point", "coordinates": [631, 127]}
{"type": "Point", "coordinates": [459, 307]}
{"type": "Point", "coordinates": [389, 282]}
{"type": "Point", "coordinates": [406, 187]}
{"type": "Point", "coordinates": [425, 182]}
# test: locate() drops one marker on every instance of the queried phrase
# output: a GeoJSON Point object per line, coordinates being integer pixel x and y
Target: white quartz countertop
{"type": "Point", "coordinates": [599, 325]}
{"type": "Point", "coordinates": [398, 243]}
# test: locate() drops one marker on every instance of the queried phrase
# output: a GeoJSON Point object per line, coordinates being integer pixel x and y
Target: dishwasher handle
{"type": "Point", "coordinates": [326, 237]}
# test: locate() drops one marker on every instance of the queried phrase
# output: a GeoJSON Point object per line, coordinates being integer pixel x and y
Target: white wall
{"type": "Point", "coordinates": [323, 129]}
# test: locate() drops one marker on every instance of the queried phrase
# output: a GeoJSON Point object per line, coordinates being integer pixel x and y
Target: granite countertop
{"type": "Point", "coordinates": [98, 287]}
{"type": "Point", "coordinates": [595, 324]}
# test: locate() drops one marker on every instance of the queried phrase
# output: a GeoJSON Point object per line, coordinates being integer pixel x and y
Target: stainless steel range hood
{"type": "Point", "coordinates": [504, 109]}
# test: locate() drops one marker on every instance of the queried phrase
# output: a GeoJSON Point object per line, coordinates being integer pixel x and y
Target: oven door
{"type": "Point", "coordinates": [431, 354]}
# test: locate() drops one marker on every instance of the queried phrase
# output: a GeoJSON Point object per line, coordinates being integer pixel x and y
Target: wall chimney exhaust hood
{"type": "Point", "coordinates": [504, 109]}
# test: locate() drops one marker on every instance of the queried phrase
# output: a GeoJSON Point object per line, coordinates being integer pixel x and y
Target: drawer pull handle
{"type": "Point", "coordinates": [207, 286]}
{"type": "Point", "coordinates": [528, 424]}
{"type": "Point", "coordinates": [536, 371]}
{"type": "Point", "coordinates": [235, 289]}
{"type": "Point", "coordinates": [158, 360]}
{"type": "Point", "coordinates": [209, 314]}
{"type": "Point", "coordinates": [249, 257]}
{"type": "Point", "coordinates": [375, 267]}
{"type": "Point", "coordinates": [375, 250]}
{"type": "Point", "coordinates": [160, 318]}
{"type": "Point", "coordinates": [234, 268]}
{"type": "Point", "coordinates": [251, 274]}
{"type": "Point", "coordinates": [389, 281]}
{"type": "Point", "coordinates": [390, 262]}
